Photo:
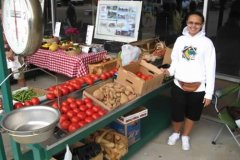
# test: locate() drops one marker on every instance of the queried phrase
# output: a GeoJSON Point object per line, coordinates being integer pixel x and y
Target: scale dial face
{"type": "Point", "coordinates": [22, 24]}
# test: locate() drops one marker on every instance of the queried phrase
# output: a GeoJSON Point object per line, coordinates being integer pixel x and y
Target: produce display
{"type": "Point", "coordinates": [27, 96]}
{"type": "Point", "coordinates": [76, 113]}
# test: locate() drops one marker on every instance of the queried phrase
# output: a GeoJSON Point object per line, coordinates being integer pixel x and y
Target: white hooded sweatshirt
{"type": "Point", "coordinates": [194, 60]}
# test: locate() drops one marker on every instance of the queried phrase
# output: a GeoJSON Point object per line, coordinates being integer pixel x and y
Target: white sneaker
{"type": "Point", "coordinates": [185, 143]}
{"type": "Point", "coordinates": [173, 138]}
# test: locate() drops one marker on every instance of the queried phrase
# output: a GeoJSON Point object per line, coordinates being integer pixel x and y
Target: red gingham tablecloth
{"type": "Point", "coordinates": [58, 61]}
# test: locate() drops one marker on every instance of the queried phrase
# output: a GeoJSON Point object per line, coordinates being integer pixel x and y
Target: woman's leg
{"type": "Point", "coordinates": [177, 126]}
{"type": "Point", "coordinates": [187, 127]}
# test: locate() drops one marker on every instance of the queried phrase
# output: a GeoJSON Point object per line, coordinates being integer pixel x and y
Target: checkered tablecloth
{"type": "Point", "coordinates": [58, 61]}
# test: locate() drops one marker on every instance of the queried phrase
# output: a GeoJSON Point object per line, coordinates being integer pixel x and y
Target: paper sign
{"type": "Point", "coordinates": [57, 29]}
{"type": "Point", "coordinates": [89, 35]}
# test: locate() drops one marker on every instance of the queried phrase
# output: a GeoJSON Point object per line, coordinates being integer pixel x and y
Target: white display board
{"type": "Point", "coordinates": [118, 20]}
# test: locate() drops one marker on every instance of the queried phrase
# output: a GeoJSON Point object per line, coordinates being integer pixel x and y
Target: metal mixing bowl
{"type": "Point", "coordinates": [33, 124]}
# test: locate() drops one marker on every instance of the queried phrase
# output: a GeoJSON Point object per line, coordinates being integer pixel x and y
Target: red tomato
{"type": "Point", "coordinates": [115, 69]}
{"type": "Point", "coordinates": [103, 76]}
{"type": "Point", "coordinates": [57, 92]}
{"type": "Point", "coordinates": [149, 77]}
{"type": "Point", "coordinates": [71, 88]}
{"type": "Point", "coordinates": [55, 105]}
{"type": "Point", "coordinates": [77, 85]}
{"type": "Point", "coordinates": [65, 124]}
{"type": "Point", "coordinates": [83, 107]}
{"type": "Point", "coordinates": [51, 88]}
{"type": "Point", "coordinates": [79, 102]}
{"type": "Point", "coordinates": [144, 77]}
{"type": "Point", "coordinates": [71, 113]}
{"type": "Point", "coordinates": [50, 96]}
{"type": "Point", "coordinates": [70, 99]}
{"type": "Point", "coordinates": [108, 75]}
{"type": "Point", "coordinates": [35, 101]}
{"type": "Point", "coordinates": [64, 90]}
{"type": "Point", "coordinates": [89, 112]}
{"type": "Point", "coordinates": [65, 103]}
{"type": "Point", "coordinates": [87, 100]}
{"type": "Point", "coordinates": [112, 72]}
{"type": "Point", "coordinates": [102, 112]}
{"type": "Point", "coordinates": [63, 117]}
{"type": "Point", "coordinates": [96, 108]}
{"type": "Point", "coordinates": [89, 80]}
{"type": "Point", "coordinates": [18, 105]}
{"type": "Point", "coordinates": [89, 119]}
{"type": "Point", "coordinates": [96, 115]}
{"type": "Point", "coordinates": [75, 119]}
{"type": "Point", "coordinates": [139, 74]}
{"type": "Point", "coordinates": [89, 104]}
{"type": "Point", "coordinates": [76, 110]}
{"type": "Point", "coordinates": [95, 77]}
{"type": "Point", "coordinates": [73, 127]}
{"type": "Point", "coordinates": [82, 115]}
{"type": "Point", "coordinates": [28, 103]}
{"type": "Point", "coordinates": [65, 109]}
{"type": "Point", "coordinates": [82, 123]}
{"type": "Point", "coordinates": [81, 80]}
{"type": "Point", "coordinates": [73, 105]}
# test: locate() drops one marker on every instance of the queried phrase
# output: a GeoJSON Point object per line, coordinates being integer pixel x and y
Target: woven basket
{"type": "Point", "coordinates": [72, 53]}
{"type": "Point", "coordinates": [113, 144]}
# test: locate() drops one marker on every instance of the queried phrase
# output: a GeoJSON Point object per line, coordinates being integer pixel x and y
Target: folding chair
{"type": "Point", "coordinates": [223, 113]}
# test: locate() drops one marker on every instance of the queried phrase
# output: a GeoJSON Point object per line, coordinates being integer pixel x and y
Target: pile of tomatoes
{"type": "Point", "coordinates": [76, 113]}
{"type": "Point", "coordinates": [33, 101]}
{"type": "Point", "coordinates": [76, 84]}
{"type": "Point", "coordinates": [144, 76]}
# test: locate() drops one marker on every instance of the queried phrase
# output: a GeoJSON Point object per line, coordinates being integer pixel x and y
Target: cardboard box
{"type": "Point", "coordinates": [130, 130]}
{"type": "Point", "coordinates": [147, 46]}
{"type": "Point", "coordinates": [127, 76]}
{"type": "Point", "coordinates": [99, 68]}
{"type": "Point", "coordinates": [167, 56]}
{"type": "Point", "coordinates": [134, 115]}
{"type": "Point", "coordinates": [129, 124]}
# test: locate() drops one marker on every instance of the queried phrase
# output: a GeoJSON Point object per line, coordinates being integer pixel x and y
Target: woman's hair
{"type": "Point", "coordinates": [195, 13]}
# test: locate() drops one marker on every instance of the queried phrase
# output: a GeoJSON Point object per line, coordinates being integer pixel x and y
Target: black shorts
{"type": "Point", "coordinates": [186, 104]}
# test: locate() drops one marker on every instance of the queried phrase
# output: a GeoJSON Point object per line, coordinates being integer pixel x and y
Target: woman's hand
{"type": "Point", "coordinates": [165, 72]}
{"type": "Point", "coordinates": [10, 55]}
{"type": "Point", "coordinates": [206, 102]}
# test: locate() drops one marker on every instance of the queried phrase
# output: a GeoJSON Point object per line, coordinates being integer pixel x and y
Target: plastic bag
{"type": "Point", "coordinates": [129, 53]}
{"type": "Point", "coordinates": [68, 154]}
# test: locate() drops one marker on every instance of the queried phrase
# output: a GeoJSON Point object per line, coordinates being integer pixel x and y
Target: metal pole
{"type": "Point", "coordinates": [53, 14]}
{"type": "Point", "coordinates": [7, 100]}
{"type": "Point", "coordinates": [205, 9]}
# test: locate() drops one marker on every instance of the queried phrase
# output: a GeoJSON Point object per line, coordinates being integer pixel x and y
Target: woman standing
{"type": "Point", "coordinates": [193, 67]}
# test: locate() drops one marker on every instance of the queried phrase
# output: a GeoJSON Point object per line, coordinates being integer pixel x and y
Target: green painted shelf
{"type": "Point", "coordinates": [157, 120]}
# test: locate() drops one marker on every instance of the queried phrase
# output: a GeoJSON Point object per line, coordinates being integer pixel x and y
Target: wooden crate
{"type": "Point", "coordinates": [99, 68]}
{"type": "Point", "coordinates": [146, 45]}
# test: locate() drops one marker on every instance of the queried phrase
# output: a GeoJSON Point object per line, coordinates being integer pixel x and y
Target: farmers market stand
{"type": "Point", "coordinates": [158, 119]}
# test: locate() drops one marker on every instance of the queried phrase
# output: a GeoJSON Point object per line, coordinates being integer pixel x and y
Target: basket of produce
{"type": "Point", "coordinates": [105, 65]}
{"type": "Point", "coordinates": [114, 145]}
{"type": "Point", "coordinates": [50, 39]}
{"type": "Point", "coordinates": [65, 44]}
{"type": "Point", "coordinates": [26, 93]}
{"type": "Point", "coordinates": [73, 51]}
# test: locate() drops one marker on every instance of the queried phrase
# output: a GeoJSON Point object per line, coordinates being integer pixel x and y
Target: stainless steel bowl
{"type": "Point", "coordinates": [33, 124]}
